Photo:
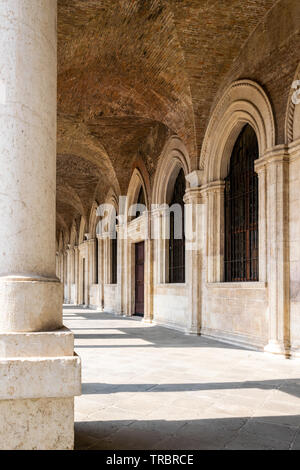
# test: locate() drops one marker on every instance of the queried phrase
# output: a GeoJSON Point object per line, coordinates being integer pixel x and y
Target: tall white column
{"type": "Point", "coordinates": [69, 274]}
{"type": "Point", "coordinates": [214, 193]}
{"type": "Point", "coordinates": [120, 267]}
{"type": "Point", "coordinates": [194, 219]}
{"type": "Point", "coordinates": [28, 166]}
{"type": "Point", "coordinates": [262, 219]}
{"type": "Point", "coordinates": [39, 373]}
{"type": "Point", "coordinates": [149, 287]}
{"type": "Point", "coordinates": [76, 271]}
{"type": "Point", "coordinates": [277, 177]}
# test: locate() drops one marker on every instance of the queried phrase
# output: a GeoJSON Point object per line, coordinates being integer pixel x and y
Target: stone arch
{"type": "Point", "coordinates": [60, 242]}
{"type": "Point", "coordinates": [66, 239]}
{"type": "Point", "coordinates": [244, 102]}
{"type": "Point", "coordinates": [93, 220]}
{"type": "Point", "coordinates": [106, 212]}
{"type": "Point", "coordinates": [138, 180]}
{"type": "Point", "coordinates": [112, 198]}
{"type": "Point", "coordinates": [173, 158]}
{"type": "Point", "coordinates": [82, 230]}
{"type": "Point", "coordinates": [292, 120]}
{"type": "Point", "coordinates": [73, 235]}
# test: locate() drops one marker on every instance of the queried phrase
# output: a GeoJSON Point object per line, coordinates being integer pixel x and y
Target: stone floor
{"type": "Point", "coordinates": [147, 387]}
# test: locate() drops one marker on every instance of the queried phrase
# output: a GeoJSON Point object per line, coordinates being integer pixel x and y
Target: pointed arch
{"type": "Point", "coordinates": [93, 220]}
{"type": "Point", "coordinates": [73, 235]}
{"type": "Point", "coordinates": [173, 158]}
{"type": "Point", "coordinates": [137, 181]}
{"type": "Point", "coordinates": [82, 230]}
{"type": "Point", "coordinates": [60, 242]}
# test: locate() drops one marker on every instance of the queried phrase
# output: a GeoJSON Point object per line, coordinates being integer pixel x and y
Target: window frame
{"type": "Point", "coordinates": [241, 211]}
{"type": "Point", "coordinates": [176, 272]}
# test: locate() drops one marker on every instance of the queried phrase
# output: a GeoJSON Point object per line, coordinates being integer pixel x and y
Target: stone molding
{"type": "Point", "coordinates": [243, 102]}
{"type": "Point", "coordinates": [290, 112]}
{"type": "Point", "coordinates": [174, 157]}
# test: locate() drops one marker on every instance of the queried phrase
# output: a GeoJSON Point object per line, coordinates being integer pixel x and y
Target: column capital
{"type": "Point", "coordinates": [217, 186]}
{"type": "Point", "coordinates": [195, 178]}
{"type": "Point", "coordinates": [277, 155]}
{"type": "Point", "coordinates": [193, 196]}
{"type": "Point", "coordinates": [159, 210]}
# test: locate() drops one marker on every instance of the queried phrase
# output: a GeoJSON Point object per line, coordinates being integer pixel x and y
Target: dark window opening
{"type": "Point", "coordinates": [114, 260]}
{"type": "Point", "coordinates": [96, 263]}
{"type": "Point", "coordinates": [241, 211]}
{"type": "Point", "coordinates": [177, 246]}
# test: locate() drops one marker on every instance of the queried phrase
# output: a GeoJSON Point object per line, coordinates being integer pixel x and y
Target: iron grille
{"type": "Point", "coordinates": [114, 260]}
{"type": "Point", "coordinates": [241, 211]}
{"type": "Point", "coordinates": [177, 246]}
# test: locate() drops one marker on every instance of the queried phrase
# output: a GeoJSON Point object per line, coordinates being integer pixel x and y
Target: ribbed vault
{"type": "Point", "coordinates": [131, 74]}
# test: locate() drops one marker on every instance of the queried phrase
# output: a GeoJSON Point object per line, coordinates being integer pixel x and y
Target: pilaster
{"type": "Point", "coordinates": [273, 171]}
{"type": "Point", "coordinates": [194, 217]}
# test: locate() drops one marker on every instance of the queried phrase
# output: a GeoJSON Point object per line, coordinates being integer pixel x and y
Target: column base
{"type": "Point", "coordinates": [277, 347]}
{"type": "Point", "coordinates": [40, 375]}
{"type": "Point", "coordinates": [148, 321]}
{"type": "Point", "coordinates": [192, 331]}
{"type": "Point", "coordinates": [295, 352]}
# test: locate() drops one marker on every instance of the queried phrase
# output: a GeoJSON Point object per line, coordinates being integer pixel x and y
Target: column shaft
{"type": "Point", "coordinates": [28, 75]}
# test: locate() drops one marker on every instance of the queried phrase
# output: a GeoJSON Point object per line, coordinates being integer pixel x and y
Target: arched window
{"type": "Point", "coordinates": [96, 262]}
{"type": "Point", "coordinates": [177, 244]}
{"type": "Point", "coordinates": [241, 210]}
{"type": "Point", "coordinates": [114, 258]}
{"type": "Point", "coordinates": [141, 201]}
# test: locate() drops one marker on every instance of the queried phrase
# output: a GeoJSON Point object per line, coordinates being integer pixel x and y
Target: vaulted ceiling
{"type": "Point", "coordinates": [130, 74]}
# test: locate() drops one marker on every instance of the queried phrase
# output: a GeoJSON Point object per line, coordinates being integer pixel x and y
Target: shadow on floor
{"type": "Point", "coordinates": [156, 336]}
{"type": "Point", "coordinates": [102, 426]}
{"type": "Point", "coordinates": [289, 386]}
{"type": "Point", "coordinates": [243, 433]}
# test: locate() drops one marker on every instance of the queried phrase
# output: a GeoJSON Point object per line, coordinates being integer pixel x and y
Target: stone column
{"type": "Point", "coordinates": [194, 218]}
{"type": "Point", "coordinates": [214, 193]}
{"type": "Point", "coordinates": [39, 373]}
{"type": "Point", "coordinates": [83, 273]}
{"type": "Point", "coordinates": [76, 271]}
{"type": "Point", "coordinates": [160, 231]}
{"type": "Point", "coordinates": [61, 267]}
{"type": "Point", "coordinates": [72, 276]}
{"type": "Point", "coordinates": [69, 274]}
{"type": "Point", "coordinates": [91, 259]}
{"type": "Point", "coordinates": [262, 219]}
{"type": "Point", "coordinates": [149, 288]}
{"type": "Point", "coordinates": [57, 266]}
{"type": "Point", "coordinates": [120, 267]}
{"type": "Point", "coordinates": [276, 166]}
{"type": "Point", "coordinates": [65, 277]}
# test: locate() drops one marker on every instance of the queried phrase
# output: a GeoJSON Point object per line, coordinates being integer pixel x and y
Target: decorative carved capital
{"type": "Point", "coordinates": [193, 196]}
